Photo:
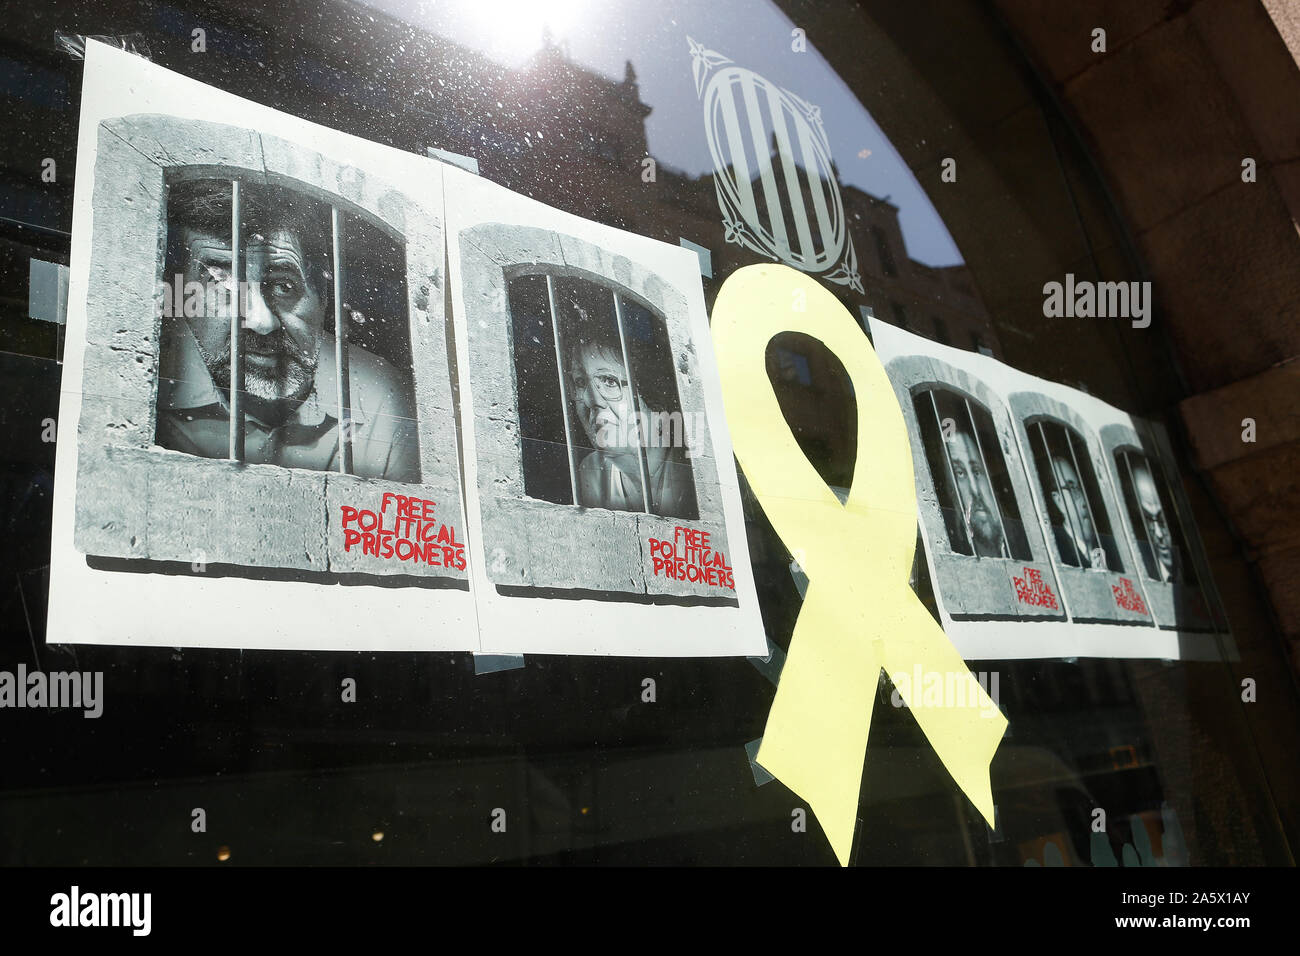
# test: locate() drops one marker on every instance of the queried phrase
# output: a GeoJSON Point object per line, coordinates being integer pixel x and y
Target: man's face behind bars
{"type": "Point", "coordinates": [283, 310]}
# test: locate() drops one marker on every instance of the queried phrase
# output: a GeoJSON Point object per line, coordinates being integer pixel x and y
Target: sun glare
{"type": "Point", "coordinates": [512, 30]}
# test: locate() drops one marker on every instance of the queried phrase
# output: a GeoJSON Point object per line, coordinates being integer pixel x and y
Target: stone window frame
{"type": "Point", "coordinates": [1116, 439]}
{"type": "Point", "coordinates": [1088, 591]}
{"type": "Point", "coordinates": [535, 270]}
{"type": "Point", "coordinates": [137, 502]}
{"type": "Point", "coordinates": [1101, 475]}
{"type": "Point", "coordinates": [567, 550]}
{"type": "Point", "coordinates": [974, 588]}
{"type": "Point", "coordinates": [971, 403]}
{"type": "Point", "coordinates": [1175, 605]}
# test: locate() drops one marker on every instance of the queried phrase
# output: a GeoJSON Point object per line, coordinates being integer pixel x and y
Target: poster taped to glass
{"type": "Point", "coordinates": [1051, 525]}
{"type": "Point", "coordinates": [259, 375]}
{"type": "Point", "coordinates": [603, 488]}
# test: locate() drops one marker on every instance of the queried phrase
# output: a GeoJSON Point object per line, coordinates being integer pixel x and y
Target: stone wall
{"type": "Point", "coordinates": [1185, 92]}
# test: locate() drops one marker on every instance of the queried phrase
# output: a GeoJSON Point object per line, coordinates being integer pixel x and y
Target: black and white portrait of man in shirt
{"type": "Point", "coordinates": [977, 503]}
{"type": "Point", "coordinates": [1156, 544]}
{"type": "Point", "coordinates": [290, 370]}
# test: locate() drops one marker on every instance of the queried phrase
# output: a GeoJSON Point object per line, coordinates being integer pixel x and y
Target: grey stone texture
{"type": "Point", "coordinates": [548, 545]}
{"type": "Point", "coordinates": [168, 506]}
{"type": "Point", "coordinates": [1165, 157]}
{"type": "Point", "coordinates": [135, 500]}
{"type": "Point", "coordinates": [367, 494]}
{"type": "Point", "coordinates": [1169, 113]}
{"type": "Point", "coordinates": [972, 585]}
{"type": "Point", "coordinates": [541, 544]}
{"type": "Point", "coordinates": [1214, 418]}
{"type": "Point", "coordinates": [1063, 32]}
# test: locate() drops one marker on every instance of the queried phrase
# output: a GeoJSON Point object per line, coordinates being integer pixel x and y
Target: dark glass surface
{"type": "Point", "coordinates": [587, 771]}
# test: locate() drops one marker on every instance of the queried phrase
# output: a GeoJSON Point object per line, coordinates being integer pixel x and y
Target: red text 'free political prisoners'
{"type": "Point", "coordinates": [411, 532]}
{"type": "Point", "coordinates": [690, 557]}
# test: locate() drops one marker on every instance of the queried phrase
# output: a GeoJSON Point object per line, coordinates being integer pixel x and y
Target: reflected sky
{"type": "Point", "coordinates": [603, 34]}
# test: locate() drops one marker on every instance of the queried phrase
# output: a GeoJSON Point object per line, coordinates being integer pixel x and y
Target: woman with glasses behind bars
{"type": "Point", "coordinates": [615, 423]}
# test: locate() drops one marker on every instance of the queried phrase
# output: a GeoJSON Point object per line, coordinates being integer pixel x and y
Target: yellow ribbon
{"type": "Point", "coordinates": [859, 612]}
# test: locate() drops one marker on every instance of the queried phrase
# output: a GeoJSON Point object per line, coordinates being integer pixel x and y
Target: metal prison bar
{"type": "Point", "coordinates": [1178, 542]}
{"type": "Point", "coordinates": [961, 505]}
{"type": "Point", "coordinates": [1139, 525]}
{"type": "Point", "coordinates": [636, 404]}
{"type": "Point", "coordinates": [564, 391]}
{"type": "Point", "coordinates": [994, 504]}
{"type": "Point", "coordinates": [1140, 530]}
{"type": "Point", "coordinates": [1056, 483]}
{"type": "Point", "coordinates": [236, 320]}
{"type": "Point", "coordinates": [342, 391]}
{"type": "Point", "coordinates": [635, 395]}
{"type": "Point", "coordinates": [1094, 507]}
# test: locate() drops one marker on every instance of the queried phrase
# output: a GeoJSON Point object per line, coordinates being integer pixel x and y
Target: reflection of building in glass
{"type": "Point", "coordinates": [593, 156]}
{"type": "Point", "coordinates": [1146, 497]}
{"type": "Point", "coordinates": [600, 418]}
{"type": "Point", "coordinates": [575, 138]}
{"type": "Point", "coordinates": [813, 388]}
{"type": "Point", "coordinates": [1080, 524]}
{"type": "Point", "coordinates": [303, 396]}
{"type": "Point", "coordinates": [945, 294]}
{"type": "Point", "coordinates": [358, 69]}
{"type": "Point", "coordinates": [970, 476]}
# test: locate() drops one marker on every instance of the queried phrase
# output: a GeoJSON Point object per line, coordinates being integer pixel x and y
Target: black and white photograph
{"type": "Point", "coordinates": [600, 480]}
{"type": "Point", "coordinates": [258, 379]}
{"type": "Point", "coordinates": [1081, 531]}
{"type": "Point", "coordinates": [1072, 488]}
{"type": "Point", "coordinates": [1154, 519]}
{"type": "Point", "coordinates": [990, 558]}
{"type": "Point", "coordinates": [290, 345]}
{"type": "Point", "coordinates": [1050, 529]}
{"type": "Point", "coordinates": [970, 475]}
{"type": "Point", "coordinates": [606, 405]}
